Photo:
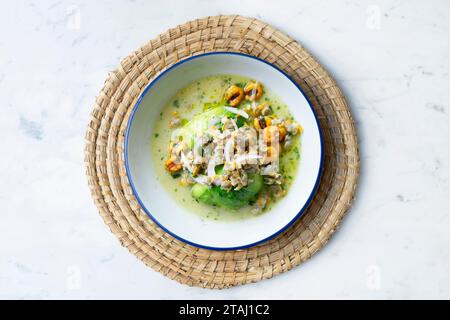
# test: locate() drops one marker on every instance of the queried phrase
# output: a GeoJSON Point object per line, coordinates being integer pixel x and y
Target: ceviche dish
{"type": "Point", "coordinates": [226, 147]}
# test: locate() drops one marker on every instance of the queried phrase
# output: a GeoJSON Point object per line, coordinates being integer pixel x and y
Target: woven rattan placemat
{"type": "Point", "coordinates": [136, 231]}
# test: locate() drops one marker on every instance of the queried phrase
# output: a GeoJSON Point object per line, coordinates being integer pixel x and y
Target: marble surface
{"type": "Point", "coordinates": [391, 58]}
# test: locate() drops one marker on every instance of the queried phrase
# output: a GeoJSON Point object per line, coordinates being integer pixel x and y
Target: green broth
{"type": "Point", "coordinates": [189, 102]}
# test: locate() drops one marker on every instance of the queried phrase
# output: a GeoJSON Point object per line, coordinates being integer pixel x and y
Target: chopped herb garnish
{"type": "Point", "coordinates": [296, 152]}
{"type": "Point", "coordinates": [240, 121]}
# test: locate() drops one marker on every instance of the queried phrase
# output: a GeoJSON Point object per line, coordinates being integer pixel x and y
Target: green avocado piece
{"type": "Point", "coordinates": [233, 199]}
{"type": "Point", "coordinates": [202, 193]}
{"type": "Point", "coordinates": [253, 188]}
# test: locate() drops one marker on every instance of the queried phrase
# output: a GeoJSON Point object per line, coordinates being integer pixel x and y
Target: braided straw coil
{"type": "Point", "coordinates": [105, 166]}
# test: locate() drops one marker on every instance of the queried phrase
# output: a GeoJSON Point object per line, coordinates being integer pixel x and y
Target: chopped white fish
{"type": "Point", "coordinates": [211, 169]}
{"type": "Point", "coordinates": [186, 163]}
{"type": "Point", "coordinates": [268, 170]}
{"type": "Point", "coordinates": [246, 158]}
{"type": "Point", "coordinates": [213, 121]}
{"type": "Point", "coordinates": [229, 150]}
{"type": "Point", "coordinates": [202, 179]}
{"type": "Point", "coordinates": [234, 124]}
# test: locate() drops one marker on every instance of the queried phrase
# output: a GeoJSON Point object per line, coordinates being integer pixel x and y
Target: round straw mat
{"type": "Point", "coordinates": [136, 231]}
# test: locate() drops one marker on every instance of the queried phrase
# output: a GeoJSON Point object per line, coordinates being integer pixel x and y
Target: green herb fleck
{"type": "Point", "coordinates": [240, 121]}
{"type": "Point", "coordinates": [296, 152]}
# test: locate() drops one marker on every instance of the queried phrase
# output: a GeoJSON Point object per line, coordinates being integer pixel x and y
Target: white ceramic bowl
{"type": "Point", "coordinates": [158, 203]}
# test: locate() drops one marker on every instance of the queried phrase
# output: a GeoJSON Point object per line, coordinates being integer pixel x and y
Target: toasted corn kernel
{"type": "Point", "coordinates": [253, 91]}
{"type": "Point", "coordinates": [262, 122]}
{"type": "Point", "coordinates": [282, 132]}
{"type": "Point", "coordinates": [196, 170]}
{"type": "Point", "coordinates": [259, 109]}
{"type": "Point", "coordinates": [262, 109]}
{"type": "Point", "coordinates": [173, 167]}
{"type": "Point", "coordinates": [268, 133]}
{"type": "Point", "coordinates": [234, 95]}
{"type": "Point", "coordinates": [271, 131]}
{"type": "Point", "coordinates": [256, 124]}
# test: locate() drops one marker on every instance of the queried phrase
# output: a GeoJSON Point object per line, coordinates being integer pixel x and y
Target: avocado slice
{"type": "Point", "coordinates": [233, 199]}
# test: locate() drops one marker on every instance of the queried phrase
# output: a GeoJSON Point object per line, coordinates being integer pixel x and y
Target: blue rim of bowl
{"type": "Point", "coordinates": [290, 223]}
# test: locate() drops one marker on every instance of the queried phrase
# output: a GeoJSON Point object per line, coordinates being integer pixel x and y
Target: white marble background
{"type": "Point", "coordinates": [391, 58]}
